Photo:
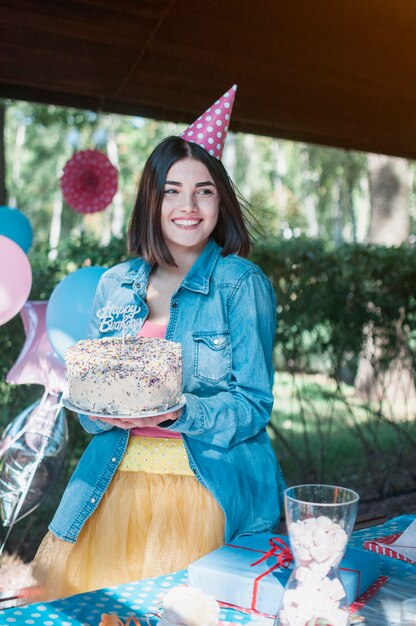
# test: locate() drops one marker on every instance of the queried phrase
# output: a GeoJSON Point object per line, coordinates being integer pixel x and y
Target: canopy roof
{"type": "Point", "coordinates": [335, 72]}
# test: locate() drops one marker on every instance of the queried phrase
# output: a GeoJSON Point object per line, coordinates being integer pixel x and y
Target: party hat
{"type": "Point", "coordinates": [210, 129]}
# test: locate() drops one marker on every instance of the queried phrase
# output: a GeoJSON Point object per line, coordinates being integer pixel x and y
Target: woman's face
{"type": "Point", "coordinates": [189, 210]}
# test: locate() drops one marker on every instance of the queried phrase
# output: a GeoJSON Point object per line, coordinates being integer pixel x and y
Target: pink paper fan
{"type": "Point", "coordinates": [89, 181]}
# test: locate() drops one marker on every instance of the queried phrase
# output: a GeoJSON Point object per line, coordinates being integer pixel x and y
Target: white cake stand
{"type": "Point", "coordinates": [72, 407]}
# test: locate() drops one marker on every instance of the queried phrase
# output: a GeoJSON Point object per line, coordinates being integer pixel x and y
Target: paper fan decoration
{"type": "Point", "coordinates": [89, 181]}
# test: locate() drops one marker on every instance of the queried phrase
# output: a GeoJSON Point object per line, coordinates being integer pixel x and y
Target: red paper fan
{"type": "Point", "coordinates": [89, 181]}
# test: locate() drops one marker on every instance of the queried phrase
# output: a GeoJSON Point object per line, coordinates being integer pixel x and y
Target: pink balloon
{"type": "Point", "coordinates": [38, 363]}
{"type": "Point", "coordinates": [15, 279]}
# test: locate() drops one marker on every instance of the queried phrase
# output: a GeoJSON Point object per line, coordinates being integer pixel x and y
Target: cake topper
{"type": "Point", "coordinates": [210, 129]}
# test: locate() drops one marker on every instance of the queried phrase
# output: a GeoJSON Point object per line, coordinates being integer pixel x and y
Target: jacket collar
{"type": "Point", "coordinates": [199, 276]}
{"type": "Point", "coordinates": [138, 275]}
{"type": "Point", "coordinates": [197, 279]}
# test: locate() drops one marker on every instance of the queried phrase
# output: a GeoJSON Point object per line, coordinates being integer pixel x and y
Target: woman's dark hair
{"type": "Point", "coordinates": [145, 236]}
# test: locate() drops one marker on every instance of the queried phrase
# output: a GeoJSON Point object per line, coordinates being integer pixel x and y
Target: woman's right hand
{"type": "Point", "coordinates": [120, 423]}
{"type": "Point", "coordinates": [125, 424]}
{"type": "Point", "coordinates": [139, 422]}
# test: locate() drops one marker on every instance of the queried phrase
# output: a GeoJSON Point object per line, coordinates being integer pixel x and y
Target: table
{"type": "Point", "coordinates": [131, 599]}
{"type": "Point", "coordinates": [384, 608]}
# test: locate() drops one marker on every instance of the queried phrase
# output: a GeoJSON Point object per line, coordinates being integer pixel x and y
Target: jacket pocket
{"type": "Point", "coordinates": [212, 355]}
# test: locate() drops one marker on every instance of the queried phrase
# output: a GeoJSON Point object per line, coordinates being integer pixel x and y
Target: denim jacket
{"type": "Point", "coordinates": [223, 315]}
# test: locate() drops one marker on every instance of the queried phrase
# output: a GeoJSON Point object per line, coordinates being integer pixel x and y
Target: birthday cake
{"type": "Point", "coordinates": [124, 377]}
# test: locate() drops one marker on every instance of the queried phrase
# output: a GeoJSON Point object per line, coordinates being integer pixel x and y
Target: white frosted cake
{"type": "Point", "coordinates": [124, 378]}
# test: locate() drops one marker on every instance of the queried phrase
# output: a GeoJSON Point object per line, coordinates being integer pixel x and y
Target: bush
{"type": "Point", "coordinates": [327, 298]}
{"type": "Point", "coordinates": [345, 315]}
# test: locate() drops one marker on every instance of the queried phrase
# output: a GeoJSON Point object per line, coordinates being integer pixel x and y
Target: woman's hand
{"type": "Point", "coordinates": [139, 422]}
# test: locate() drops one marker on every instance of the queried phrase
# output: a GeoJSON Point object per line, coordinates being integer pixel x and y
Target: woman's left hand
{"type": "Point", "coordinates": [141, 422]}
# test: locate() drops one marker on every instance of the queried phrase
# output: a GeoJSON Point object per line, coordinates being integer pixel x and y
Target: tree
{"type": "Point", "coordinates": [333, 178]}
{"type": "Point", "coordinates": [40, 138]}
{"type": "Point", "coordinates": [391, 386]}
{"type": "Point", "coordinates": [390, 184]}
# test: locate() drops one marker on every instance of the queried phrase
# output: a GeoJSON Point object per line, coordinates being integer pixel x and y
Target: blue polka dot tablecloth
{"type": "Point", "coordinates": [142, 599]}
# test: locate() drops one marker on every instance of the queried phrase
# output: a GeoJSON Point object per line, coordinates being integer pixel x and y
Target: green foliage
{"type": "Point", "coordinates": [337, 308]}
{"type": "Point", "coordinates": [40, 139]}
{"type": "Point", "coordinates": [334, 179]}
{"type": "Point", "coordinates": [327, 300]}
{"type": "Point", "coordinates": [328, 297]}
{"type": "Point", "coordinates": [330, 300]}
{"type": "Point", "coordinates": [320, 191]}
{"type": "Point", "coordinates": [323, 433]}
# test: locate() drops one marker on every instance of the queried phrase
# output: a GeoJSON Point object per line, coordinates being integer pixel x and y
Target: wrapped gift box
{"type": "Point", "coordinates": [383, 546]}
{"type": "Point", "coordinates": [228, 574]}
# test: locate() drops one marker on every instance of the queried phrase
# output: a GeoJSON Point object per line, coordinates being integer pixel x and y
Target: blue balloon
{"type": "Point", "coordinates": [15, 225]}
{"type": "Point", "coordinates": [69, 308]}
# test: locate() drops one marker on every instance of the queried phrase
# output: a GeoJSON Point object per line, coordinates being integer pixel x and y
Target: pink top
{"type": "Point", "coordinates": [150, 329]}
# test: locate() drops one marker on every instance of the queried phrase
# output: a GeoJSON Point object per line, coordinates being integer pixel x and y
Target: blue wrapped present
{"type": "Point", "coordinates": [251, 572]}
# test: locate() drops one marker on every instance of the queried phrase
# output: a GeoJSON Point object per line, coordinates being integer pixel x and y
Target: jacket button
{"type": "Point", "coordinates": [114, 459]}
{"type": "Point", "coordinates": [216, 341]}
{"type": "Point", "coordinates": [92, 500]}
{"type": "Point", "coordinates": [174, 305]}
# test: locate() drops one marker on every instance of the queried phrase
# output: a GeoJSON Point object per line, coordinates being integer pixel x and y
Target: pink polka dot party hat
{"type": "Point", "coordinates": [210, 129]}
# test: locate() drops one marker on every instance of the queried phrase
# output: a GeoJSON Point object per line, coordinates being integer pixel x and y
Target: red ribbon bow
{"type": "Point", "coordinates": [279, 549]}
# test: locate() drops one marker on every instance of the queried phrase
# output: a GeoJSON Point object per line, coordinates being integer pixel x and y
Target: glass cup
{"type": "Point", "coordinates": [408, 611]}
{"type": "Point", "coordinates": [319, 519]}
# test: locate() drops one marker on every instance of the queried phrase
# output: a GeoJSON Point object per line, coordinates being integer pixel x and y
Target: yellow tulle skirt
{"type": "Point", "coordinates": [146, 525]}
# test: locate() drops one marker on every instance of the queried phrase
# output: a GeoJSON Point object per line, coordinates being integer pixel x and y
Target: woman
{"type": "Point", "coordinates": [121, 518]}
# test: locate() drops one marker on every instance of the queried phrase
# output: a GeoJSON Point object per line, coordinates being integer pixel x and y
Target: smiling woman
{"type": "Point", "coordinates": [145, 233]}
{"type": "Point", "coordinates": [148, 501]}
{"type": "Point", "coordinates": [189, 211]}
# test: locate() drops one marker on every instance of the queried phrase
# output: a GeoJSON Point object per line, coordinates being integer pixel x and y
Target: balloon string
{"type": "Point", "coordinates": [22, 431]}
{"type": "Point", "coordinates": [36, 463]}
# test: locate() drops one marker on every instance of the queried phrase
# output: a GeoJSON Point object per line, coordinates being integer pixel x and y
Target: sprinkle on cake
{"type": "Point", "coordinates": [127, 377]}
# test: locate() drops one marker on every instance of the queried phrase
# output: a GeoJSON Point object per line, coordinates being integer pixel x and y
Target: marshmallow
{"type": "Point", "coordinates": [324, 522]}
{"type": "Point", "coordinates": [336, 591]}
{"type": "Point", "coordinates": [319, 536]}
{"type": "Point", "coordinates": [183, 606]}
{"type": "Point", "coordinates": [318, 545]}
{"type": "Point", "coordinates": [321, 552]}
{"type": "Point", "coordinates": [304, 554]}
